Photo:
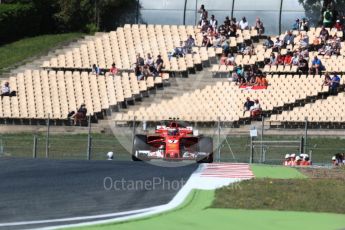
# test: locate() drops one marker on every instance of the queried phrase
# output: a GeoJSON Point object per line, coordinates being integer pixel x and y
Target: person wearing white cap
{"type": "Point", "coordinates": [298, 160]}
{"type": "Point", "coordinates": [305, 159]}
{"type": "Point", "coordinates": [292, 161]}
{"type": "Point", "coordinates": [334, 161]}
{"type": "Point", "coordinates": [110, 156]}
{"type": "Point", "coordinates": [286, 160]}
{"type": "Point", "coordinates": [338, 25]}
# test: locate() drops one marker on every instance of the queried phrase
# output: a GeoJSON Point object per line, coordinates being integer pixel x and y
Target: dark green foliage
{"type": "Point", "coordinates": [24, 18]}
{"type": "Point", "coordinates": [18, 20]}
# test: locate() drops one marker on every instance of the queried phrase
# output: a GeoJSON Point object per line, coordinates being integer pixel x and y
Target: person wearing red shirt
{"type": "Point", "coordinates": [113, 70]}
{"type": "Point", "coordinates": [287, 59]}
{"type": "Point", "coordinates": [280, 59]}
{"type": "Point", "coordinates": [338, 25]}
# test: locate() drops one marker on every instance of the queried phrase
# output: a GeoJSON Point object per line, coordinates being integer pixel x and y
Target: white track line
{"type": "Point", "coordinates": [196, 181]}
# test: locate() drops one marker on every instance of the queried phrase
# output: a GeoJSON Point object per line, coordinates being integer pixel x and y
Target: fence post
{"type": "Point", "coordinates": [219, 147]}
{"type": "Point", "coordinates": [251, 150]}
{"type": "Point", "coordinates": [89, 140]}
{"type": "Point", "coordinates": [47, 136]}
{"type": "Point", "coordinates": [306, 135]}
{"type": "Point", "coordinates": [262, 136]}
{"type": "Point", "coordinates": [34, 149]}
{"type": "Point", "coordinates": [301, 145]}
{"type": "Point", "coordinates": [133, 131]}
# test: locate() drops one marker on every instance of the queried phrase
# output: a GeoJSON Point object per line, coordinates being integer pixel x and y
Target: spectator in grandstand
{"type": "Point", "coordinates": [232, 31]}
{"type": "Point", "coordinates": [190, 43]}
{"type": "Point", "coordinates": [303, 65]}
{"type": "Point", "coordinates": [80, 115]}
{"type": "Point", "coordinates": [294, 59]}
{"type": "Point", "coordinates": [338, 26]}
{"type": "Point", "coordinates": [243, 24]}
{"type": "Point", "coordinates": [316, 43]}
{"type": "Point", "coordinates": [149, 60]}
{"type": "Point", "coordinates": [179, 51]}
{"type": "Point", "coordinates": [304, 53]}
{"type": "Point", "coordinates": [289, 38]}
{"type": "Point", "coordinates": [304, 25]}
{"type": "Point", "coordinates": [146, 72]}
{"type": "Point", "coordinates": [327, 49]}
{"type": "Point", "coordinates": [138, 71]}
{"type": "Point", "coordinates": [324, 34]}
{"type": "Point", "coordinates": [327, 18]}
{"type": "Point", "coordinates": [280, 58]}
{"type": "Point", "coordinates": [327, 81]}
{"type": "Point", "coordinates": [6, 91]}
{"type": "Point", "coordinates": [334, 84]}
{"type": "Point", "coordinates": [223, 59]}
{"type": "Point", "coordinates": [273, 59]}
{"type": "Point", "coordinates": [245, 49]}
{"type": "Point", "coordinates": [113, 70]}
{"type": "Point", "coordinates": [336, 46]}
{"type": "Point", "coordinates": [211, 33]}
{"type": "Point", "coordinates": [277, 44]}
{"type": "Point", "coordinates": [316, 66]}
{"type": "Point", "coordinates": [268, 43]}
{"type": "Point", "coordinates": [287, 58]}
{"type": "Point", "coordinates": [247, 105]}
{"type": "Point", "coordinates": [218, 40]}
{"type": "Point", "coordinates": [159, 64]}
{"type": "Point", "coordinates": [203, 13]}
{"type": "Point", "coordinates": [231, 59]}
{"type": "Point", "coordinates": [204, 25]}
{"type": "Point", "coordinates": [140, 61]}
{"type": "Point", "coordinates": [255, 110]}
{"type": "Point", "coordinates": [226, 46]}
{"type": "Point", "coordinates": [262, 81]}
{"type": "Point", "coordinates": [213, 22]}
{"type": "Point", "coordinates": [237, 74]}
{"type": "Point", "coordinates": [95, 70]}
{"type": "Point", "coordinates": [295, 25]}
{"type": "Point", "coordinates": [259, 26]}
{"type": "Point", "coordinates": [206, 41]}
{"type": "Point", "coordinates": [304, 41]}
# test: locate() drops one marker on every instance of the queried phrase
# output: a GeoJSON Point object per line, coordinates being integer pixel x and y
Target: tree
{"type": "Point", "coordinates": [315, 8]}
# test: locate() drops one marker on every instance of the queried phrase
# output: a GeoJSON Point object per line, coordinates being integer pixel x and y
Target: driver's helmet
{"type": "Point", "coordinates": [174, 132]}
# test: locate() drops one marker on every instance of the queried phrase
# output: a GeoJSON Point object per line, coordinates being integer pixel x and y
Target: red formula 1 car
{"type": "Point", "coordinates": [173, 142]}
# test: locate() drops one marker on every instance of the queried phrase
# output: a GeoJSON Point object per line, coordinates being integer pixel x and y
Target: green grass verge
{"type": "Point", "coordinates": [64, 146]}
{"type": "Point", "coordinates": [277, 172]}
{"type": "Point", "coordinates": [18, 51]}
{"type": "Point", "coordinates": [196, 214]}
{"type": "Point", "coordinates": [309, 195]}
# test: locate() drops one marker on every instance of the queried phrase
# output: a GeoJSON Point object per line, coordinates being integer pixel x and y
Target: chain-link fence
{"type": "Point", "coordinates": [231, 142]}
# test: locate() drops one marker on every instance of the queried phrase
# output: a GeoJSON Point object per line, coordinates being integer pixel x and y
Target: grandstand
{"type": "Point", "coordinates": [65, 81]}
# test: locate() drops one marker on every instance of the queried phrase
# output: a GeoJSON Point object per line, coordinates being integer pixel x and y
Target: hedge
{"type": "Point", "coordinates": [17, 21]}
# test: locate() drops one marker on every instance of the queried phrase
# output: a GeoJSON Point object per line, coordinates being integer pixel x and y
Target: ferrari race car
{"type": "Point", "coordinates": [173, 142]}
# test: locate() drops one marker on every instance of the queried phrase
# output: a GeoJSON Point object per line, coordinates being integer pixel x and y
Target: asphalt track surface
{"type": "Point", "coordinates": [32, 190]}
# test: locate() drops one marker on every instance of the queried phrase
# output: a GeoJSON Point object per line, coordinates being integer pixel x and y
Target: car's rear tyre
{"type": "Point", "coordinates": [139, 143]}
{"type": "Point", "coordinates": [205, 144]}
